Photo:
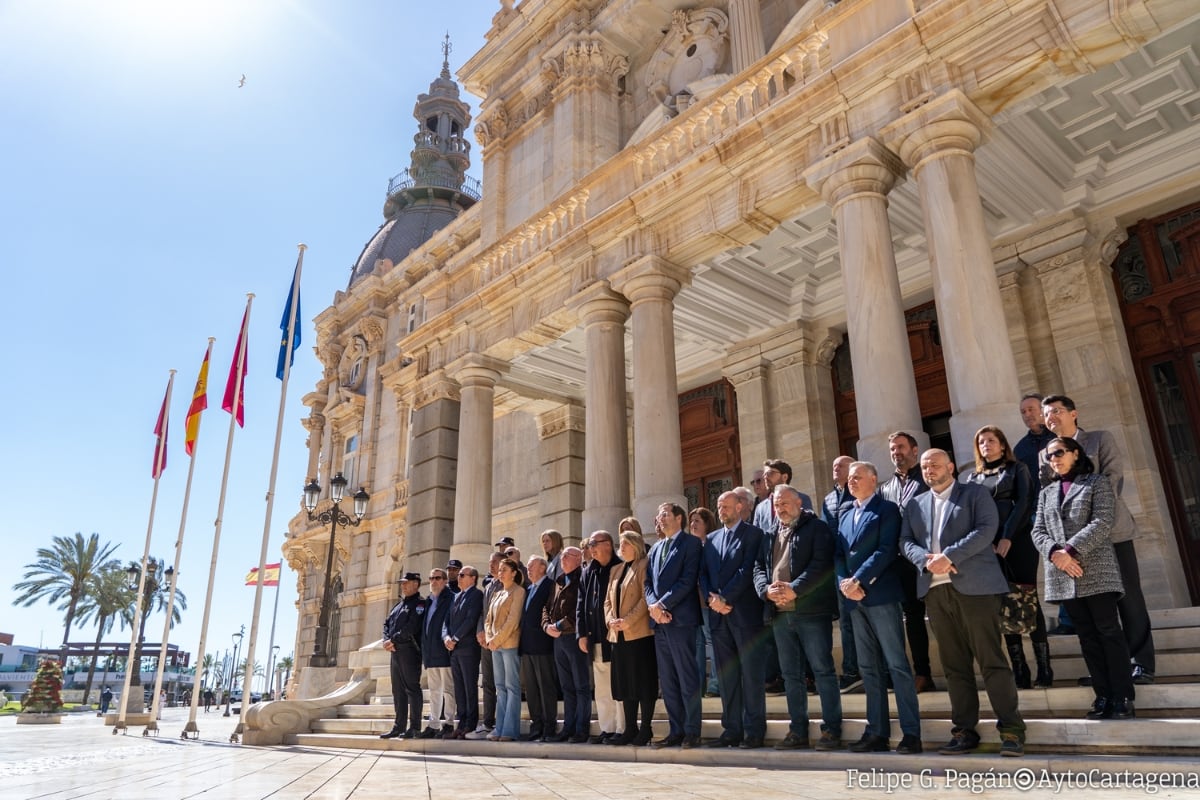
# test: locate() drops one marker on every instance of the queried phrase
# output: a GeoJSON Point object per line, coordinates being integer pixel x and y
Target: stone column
{"type": "Point", "coordinates": [747, 370]}
{"type": "Point", "coordinates": [855, 182]}
{"type": "Point", "coordinates": [477, 378]}
{"type": "Point", "coordinates": [745, 33]}
{"type": "Point", "coordinates": [651, 284]}
{"type": "Point", "coordinates": [433, 470]}
{"type": "Point", "coordinates": [937, 141]}
{"type": "Point", "coordinates": [606, 441]}
{"type": "Point", "coordinates": [561, 442]}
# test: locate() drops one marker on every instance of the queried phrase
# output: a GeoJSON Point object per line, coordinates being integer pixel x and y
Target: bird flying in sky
{"type": "Point", "coordinates": [242, 82]}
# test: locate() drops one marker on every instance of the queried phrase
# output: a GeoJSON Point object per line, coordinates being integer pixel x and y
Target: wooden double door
{"type": "Point", "coordinates": [1157, 275]}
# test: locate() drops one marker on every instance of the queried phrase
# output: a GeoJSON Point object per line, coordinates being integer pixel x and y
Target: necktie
{"type": "Point", "coordinates": [662, 554]}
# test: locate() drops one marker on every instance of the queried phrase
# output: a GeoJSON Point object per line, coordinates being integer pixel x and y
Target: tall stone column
{"type": "Point", "coordinates": [855, 182]}
{"type": "Point", "coordinates": [745, 33]}
{"type": "Point", "coordinates": [477, 378]}
{"type": "Point", "coordinates": [937, 141]}
{"type": "Point", "coordinates": [747, 370]}
{"type": "Point", "coordinates": [606, 442]}
{"type": "Point", "coordinates": [651, 284]}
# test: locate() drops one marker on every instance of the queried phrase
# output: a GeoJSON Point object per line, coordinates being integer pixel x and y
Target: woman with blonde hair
{"type": "Point", "coordinates": [501, 635]}
{"type": "Point", "coordinates": [634, 665]}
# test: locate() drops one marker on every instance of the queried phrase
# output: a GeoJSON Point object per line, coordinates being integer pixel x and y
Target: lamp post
{"type": "Point", "coordinates": [331, 516]}
{"type": "Point", "coordinates": [237, 642]}
{"type": "Point", "coordinates": [152, 588]}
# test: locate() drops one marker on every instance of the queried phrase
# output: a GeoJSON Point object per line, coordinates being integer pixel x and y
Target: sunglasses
{"type": "Point", "coordinates": [437, 577]}
{"type": "Point", "coordinates": [1056, 453]}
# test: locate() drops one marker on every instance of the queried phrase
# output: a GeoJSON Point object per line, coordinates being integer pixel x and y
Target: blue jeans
{"type": "Point", "coordinates": [506, 665]}
{"type": "Point", "coordinates": [807, 642]}
{"type": "Point", "coordinates": [879, 637]}
{"type": "Point", "coordinates": [575, 678]}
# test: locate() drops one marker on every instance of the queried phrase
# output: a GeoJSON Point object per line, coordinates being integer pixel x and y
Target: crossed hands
{"type": "Point", "coordinates": [1062, 559]}
{"type": "Point", "coordinates": [938, 564]}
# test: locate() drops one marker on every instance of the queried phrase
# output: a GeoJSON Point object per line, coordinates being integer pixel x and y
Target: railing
{"type": "Point", "coordinates": [468, 186]}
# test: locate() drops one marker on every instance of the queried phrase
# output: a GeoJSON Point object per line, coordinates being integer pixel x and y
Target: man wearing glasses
{"type": "Point", "coordinates": [436, 658]}
{"type": "Point", "coordinates": [1101, 448]}
{"type": "Point", "coordinates": [458, 634]}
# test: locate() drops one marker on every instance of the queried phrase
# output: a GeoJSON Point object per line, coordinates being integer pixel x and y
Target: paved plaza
{"type": "Point", "coordinates": [82, 759]}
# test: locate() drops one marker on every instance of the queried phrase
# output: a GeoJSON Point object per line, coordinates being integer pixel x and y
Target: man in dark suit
{"type": "Point", "coordinates": [536, 649]}
{"type": "Point", "coordinates": [571, 663]}
{"type": "Point", "coordinates": [402, 638]}
{"type": "Point", "coordinates": [835, 503]}
{"type": "Point", "coordinates": [903, 485]}
{"type": "Point", "coordinates": [947, 534]}
{"type": "Point", "coordinates": [1101, 448]}
{"type": "Point", "coordinates": [736, 620]}
{"type": "Point", "coordinates": [794, 576]}
{"type": "Point", "coordinates": [458, 634]}
{"type": "Point", "coordinates": [673, 596]}
{"type": "Point", "coordinates": [865, 560]}
{"type": "Point", "coordinates": [436, 658]}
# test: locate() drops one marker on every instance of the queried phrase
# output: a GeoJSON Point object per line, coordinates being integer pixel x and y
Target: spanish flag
{"type": "Point", "coordinates": [270, 576]}
{"type": "Point", "coordinates": [199, 403]}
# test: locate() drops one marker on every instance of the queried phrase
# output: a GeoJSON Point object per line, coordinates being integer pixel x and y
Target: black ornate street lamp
{"type": "Point", "coordinates": [233, 670]}
{"type": "Point", "coordinates": [332, 516]}
{"type": "Point", "coordinates": [134, 572]}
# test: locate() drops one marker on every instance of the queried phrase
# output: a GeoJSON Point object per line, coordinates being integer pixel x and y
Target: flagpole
{"type": "Point", "coordinates": [286, 354]}
{"type": "Point", "coordinates": [152, 725]}
{"type": "Point", "coordinates": [271, 644]}
{"type": "Point", "coordinates": [159, 462]}
{"type": "Point", "coordinates": [191, 726]}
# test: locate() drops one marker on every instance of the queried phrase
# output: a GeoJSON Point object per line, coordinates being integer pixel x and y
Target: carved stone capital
{"type": "Point", "coordinates": [599, 304]}
{"type": "Point", "coordinates": [864, 167]}
{"type": "Point", "coordinates": [476, 370]}
{"type": "Point", "coordinates": [651, 278]}
{"type": "Point", "coordinates": [432, 388]}
{"type": "Point", "coordinates": [950, 122]}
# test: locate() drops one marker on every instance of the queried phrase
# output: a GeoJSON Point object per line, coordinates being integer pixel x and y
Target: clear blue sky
{"type": "Point", "coordinates": [142, 195]}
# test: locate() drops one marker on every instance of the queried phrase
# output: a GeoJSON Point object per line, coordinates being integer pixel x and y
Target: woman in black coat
{"type": "Point", "coordinates": [1013, 489]}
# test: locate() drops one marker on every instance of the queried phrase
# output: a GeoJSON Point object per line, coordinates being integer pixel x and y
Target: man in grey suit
{"type": "Point", "coordinates": [947, 534]}
{"type": "Point", "coordinates": [1101, 448]}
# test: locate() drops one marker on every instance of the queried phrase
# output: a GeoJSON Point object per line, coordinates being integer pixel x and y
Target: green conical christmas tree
{"type": "Point", "coordinates": [45, 694]}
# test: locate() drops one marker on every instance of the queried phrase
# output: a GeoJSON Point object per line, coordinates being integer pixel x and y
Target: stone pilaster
{"type": "Point", "coordinates": [855, 182]}
{"type": "Point", "coordinates": [1017, 328]}
{"type": "Point", "coordinates": [477, 378]}
{"type": "Point", "coordinates": [1073, 265]}
{"type": "Point", "coordinates": [651, 284]}
{"type": "Point", "coordinates": [745, 33]}
{"type": "Point", "coordinates": [561, 444]}
{"type": "Point", "coordinates": [606, 448]}
{"type": "Point", "coordinates": [433, 472]}
{"type": "Point", "coordinates": [748, 371]}
{"type": "Point", "coordinates": [1041, 339]}
{"type": "Point", "coordinates": [937, 142]}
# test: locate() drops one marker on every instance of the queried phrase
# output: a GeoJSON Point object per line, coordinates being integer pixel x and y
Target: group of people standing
{"type": "Point", "coordinates": [618, 622]}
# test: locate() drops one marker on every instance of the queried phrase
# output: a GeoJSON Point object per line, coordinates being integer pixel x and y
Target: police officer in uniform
{"type": "Point", "coordinates": [402, 638]}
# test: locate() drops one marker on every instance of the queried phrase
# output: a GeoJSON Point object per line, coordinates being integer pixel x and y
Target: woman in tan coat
{"type": "Point", "coordinates": [634, 666]}
{"type": "Point", "coordinates": [501, 635]}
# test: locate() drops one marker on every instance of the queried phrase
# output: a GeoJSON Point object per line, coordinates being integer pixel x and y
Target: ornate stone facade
{"type": "Point", "coordinates": [673, 193]}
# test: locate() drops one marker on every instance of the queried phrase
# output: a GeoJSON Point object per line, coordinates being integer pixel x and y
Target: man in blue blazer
{"type": "Point", "coordinates": [865, 560]}
{"type": "Point", "coordinates": [673, 596]}
{"type": "Point", "coordinates": [436, 658]}
{"type": "Point", "coordinates": [458, 634]}
{"type": "Point", "coordinates": [736, 621]}
{"type": "Point", "coordinates": [947, 534]}
{"type": "Point", "coordinates": [536, 648]}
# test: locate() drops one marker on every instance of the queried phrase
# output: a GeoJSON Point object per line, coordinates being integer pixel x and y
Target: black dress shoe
{"type": "Point", "coordinates": [689, 742]}
{"type": "Point", "coordinates": [394, 733]}
{"type": "Point", "coordinates": [643, 737]}
{"type": "Point", "coordinates": [428, 733]}
{"type": "Point", "coordinates": [1101, 709]}
{"type": "Point", "coordinates": [909, 745]}
{"type": "Point", "coordinates": [673, 740]}
{"type": "Point", "coordinates": [532, 736]}
{"type": "Point", "coordinates": [579, 738]}
{"type": "Point", "coordinates": [963, 742]}
{"type": "Point", "coordinates": [561, 736]}
{"type": "Point", "coordinates": [793, 741]}
{"type": "Point", "coordinates": [725, 740]}
{"type": "Point", "coordinates": [751, 743]}
{"type": "Point", "coordinates": [1122, 709]}
{"type": "Point", "coordinates": [622, 739]}
{"type": "Point", "coordinates": [869, 743]}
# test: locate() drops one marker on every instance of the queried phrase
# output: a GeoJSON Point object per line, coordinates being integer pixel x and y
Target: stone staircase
{"type": "Point", "coordinates": [1166, 729]}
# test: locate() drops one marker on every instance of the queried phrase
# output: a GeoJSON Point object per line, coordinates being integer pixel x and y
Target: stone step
{"type": "Point", "coordinates": [1144, 735]}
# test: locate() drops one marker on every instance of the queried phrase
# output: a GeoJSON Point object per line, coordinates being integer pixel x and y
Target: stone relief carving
{"type": "Point", "coordinates": [685, 64]}
{"type": "Point", "coordinates": [586, 60]}
{"type": "Point", "coordinates": [352, 368]}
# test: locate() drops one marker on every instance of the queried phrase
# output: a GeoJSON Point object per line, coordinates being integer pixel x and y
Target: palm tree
{"type": "Point", "coordinates": [208, 669]}
{"type": "Point", "coordinates": [107, 594]}
{"type": "Point", "coordinates": [155, 596]}
{"type": "Point", "coordinates": [285, 665]}
{"type": "Point", "coordinates": [61, 574]}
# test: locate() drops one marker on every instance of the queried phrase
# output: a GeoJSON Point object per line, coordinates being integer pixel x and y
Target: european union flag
{"type": "Point", "coordinates": [293, 293]}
